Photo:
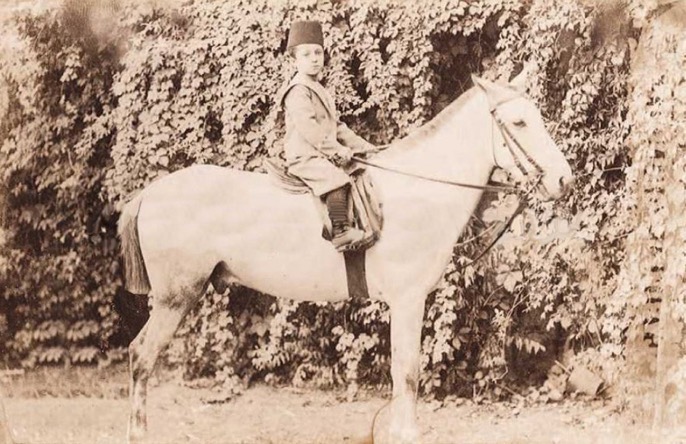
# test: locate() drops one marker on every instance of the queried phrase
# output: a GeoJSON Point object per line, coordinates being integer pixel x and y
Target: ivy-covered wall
{"type": "Point", "coordinates": [102, 98]}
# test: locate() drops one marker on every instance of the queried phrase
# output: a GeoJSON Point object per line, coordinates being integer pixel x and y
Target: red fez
{"type": "Point", "coordinates": [305, 32]}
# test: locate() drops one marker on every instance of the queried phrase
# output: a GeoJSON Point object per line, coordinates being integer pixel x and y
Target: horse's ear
{"type": "Point", "coordinates": [478, 82]}
{"type": "Point", "coordinates": [496, 93]}
{"type": "Point", "coordinates": [520, 81]}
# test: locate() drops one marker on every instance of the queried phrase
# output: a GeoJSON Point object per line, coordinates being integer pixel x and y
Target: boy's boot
{"type": "Point", "coordinates": [344, 236]}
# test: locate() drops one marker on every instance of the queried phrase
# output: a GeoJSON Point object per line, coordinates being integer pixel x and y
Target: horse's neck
{"type": "Point", "coordinates": [459, 148]}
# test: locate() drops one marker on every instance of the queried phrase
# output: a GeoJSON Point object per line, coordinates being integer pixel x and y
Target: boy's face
{"type": "Point", "coordinates": [309, 58]}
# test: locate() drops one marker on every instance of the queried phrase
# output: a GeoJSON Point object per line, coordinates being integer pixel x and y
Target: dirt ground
{"type": "Point", "coordinates": [266, 415]}
{"type": "Point", "coordinates": [261, 415]}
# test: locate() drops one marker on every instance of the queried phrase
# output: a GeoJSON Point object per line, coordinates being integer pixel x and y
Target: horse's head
{"type": "Point", "coordinates": [521, 143]}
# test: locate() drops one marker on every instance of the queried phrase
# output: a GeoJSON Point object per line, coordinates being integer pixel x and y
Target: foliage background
{"type": "Point", "coordinates": [100, 98]}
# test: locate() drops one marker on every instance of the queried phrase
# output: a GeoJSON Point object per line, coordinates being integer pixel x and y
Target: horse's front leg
{"type": "Point", "coordinates": [406, 327]}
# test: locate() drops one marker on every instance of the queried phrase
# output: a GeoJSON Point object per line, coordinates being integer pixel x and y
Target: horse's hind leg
{"type": "Point", "coordinates": [143, 353]}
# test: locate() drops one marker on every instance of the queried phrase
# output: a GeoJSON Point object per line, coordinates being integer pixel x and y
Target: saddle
{"type": "Point", "coordinates": [364, 206]}
{"type": "Point", "coordinates": [365, 212]}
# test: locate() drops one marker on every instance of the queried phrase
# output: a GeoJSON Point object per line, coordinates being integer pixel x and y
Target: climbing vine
{"type": "Point", "coordinates": [89, 118]}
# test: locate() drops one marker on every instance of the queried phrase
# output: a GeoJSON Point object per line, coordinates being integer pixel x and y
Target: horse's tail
{"type": "Point", "coordinates": [135, 275]}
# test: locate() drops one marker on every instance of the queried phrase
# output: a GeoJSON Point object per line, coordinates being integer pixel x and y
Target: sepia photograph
{"type": "Point", "coordinates": [342, 221]}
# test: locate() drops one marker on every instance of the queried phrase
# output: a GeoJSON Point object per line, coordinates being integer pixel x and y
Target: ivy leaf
{"type": "Point", "coordinates": [512, 279]}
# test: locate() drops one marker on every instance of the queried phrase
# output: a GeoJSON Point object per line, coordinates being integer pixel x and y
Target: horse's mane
{"type": "Point", "coordinates": [420, 134]}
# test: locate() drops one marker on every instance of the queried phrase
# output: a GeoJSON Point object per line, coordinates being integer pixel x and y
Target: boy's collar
{"type": "Point", "coordinates": [305, 78]}
{"type": "Point", "coordinates": [318, 88]}
{"type": "Point", "coordinates": [313, 85]}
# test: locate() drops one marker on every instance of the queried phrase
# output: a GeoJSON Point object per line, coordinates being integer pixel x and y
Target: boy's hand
{"type": "Point", "coordinates": [368, 149]}
{"type": "Point", "coordinates": [339, 154]}
{"type": "Point", "coordinates": [342, 158]}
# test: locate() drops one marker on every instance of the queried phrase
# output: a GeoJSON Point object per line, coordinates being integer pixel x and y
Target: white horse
{"type": "Point", "coordinates": [210, 225]}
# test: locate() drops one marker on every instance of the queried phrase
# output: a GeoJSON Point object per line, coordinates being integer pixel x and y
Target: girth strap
{"type": "Point", "coordinates": [355, 270]}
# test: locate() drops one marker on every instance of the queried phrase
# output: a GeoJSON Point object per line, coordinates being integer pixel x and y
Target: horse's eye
{"type": "Point", "coordinates": [519, 123]}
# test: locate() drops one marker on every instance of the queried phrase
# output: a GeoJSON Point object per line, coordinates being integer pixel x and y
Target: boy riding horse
{"type": "Point", "coordinates": [319, 147]}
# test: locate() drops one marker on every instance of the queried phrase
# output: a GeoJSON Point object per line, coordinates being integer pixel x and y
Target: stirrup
{"type": "Point", "coordinates": [350, 239]}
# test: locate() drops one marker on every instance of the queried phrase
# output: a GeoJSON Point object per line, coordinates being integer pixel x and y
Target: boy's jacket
{"type": "Point", "coordinates": [311, 121]}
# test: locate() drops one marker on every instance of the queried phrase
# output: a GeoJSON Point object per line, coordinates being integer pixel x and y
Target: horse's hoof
{"type": "Point", "coordinates": [136, 436]}
{"type": "Point", "coordinates": [406, 436]}
{"type": "Point", "coordinates": [367, 439]}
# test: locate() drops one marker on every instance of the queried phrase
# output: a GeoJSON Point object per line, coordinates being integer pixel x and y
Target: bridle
{"type": "Point", "coordinates": [513, 145]}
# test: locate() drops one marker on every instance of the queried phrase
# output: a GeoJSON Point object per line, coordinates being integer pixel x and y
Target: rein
{"type": "Point", "coordinates": [508, 223]}
{"type": "Point", "coordinates": [492, 188]}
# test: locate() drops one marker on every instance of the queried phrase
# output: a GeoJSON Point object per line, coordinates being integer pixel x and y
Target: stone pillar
{"type": "Point", "coordinates": [657, 101]}
{"type": "Point", "coordinates": [669, 419]}
{"type": "Point", "coordinates": [670, 404]}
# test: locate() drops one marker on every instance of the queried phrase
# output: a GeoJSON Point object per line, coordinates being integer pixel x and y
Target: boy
{"type": "Point", "coordinates": [312, 145]}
